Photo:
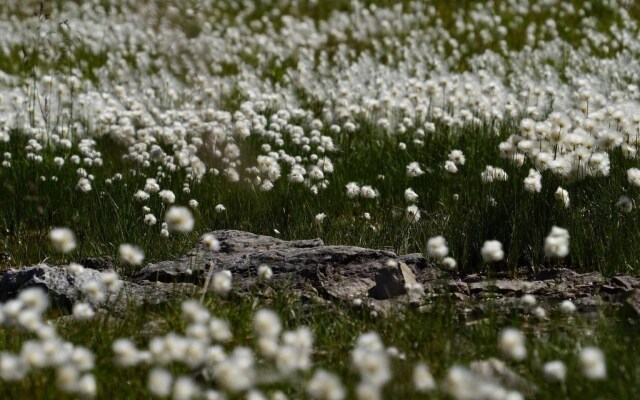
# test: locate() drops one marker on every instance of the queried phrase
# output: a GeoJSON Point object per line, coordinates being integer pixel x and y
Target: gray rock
{"type": "Point", "coordinates": [633, 302]}
{"type": "Point", "coordinates": [102, 263]}
{"type": "Point", "coordinates": [65, 289]}
{"type": "Point", "coordinates": [337, 272]}
{"type": "Point", "coordinates": [628, 283]}
{"type": "Point", "coordinates": [389, 283]}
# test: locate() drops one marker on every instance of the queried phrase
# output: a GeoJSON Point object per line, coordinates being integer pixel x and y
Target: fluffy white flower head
{"type": "Point", "coordinates": [492, 251]}
{"type": "Point", "coordinates": [63, 239]}
{"type": "Point", "coordinates": [179, 219]}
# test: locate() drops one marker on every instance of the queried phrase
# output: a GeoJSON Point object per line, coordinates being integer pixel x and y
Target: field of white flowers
{"type": "Point", "coordinates": [492, 136]}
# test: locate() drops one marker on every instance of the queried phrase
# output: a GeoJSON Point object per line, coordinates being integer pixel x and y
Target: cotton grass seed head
{"type": "Point", "coordinates": [210, 242]}
{"type": "Point", "coordinates": [511, 344]}
{"type": "Point", "coordinates": [592, 363]}
{"type": "Point", "coordinates": [449, 263]}
{"type": "Point", "coordinates": [324, 385]}
{"type": "Point", "coordinates": [131, 255]}
{"type": "Point", "coordinates": [63, 239]}
{"type": "Point", "coordinates": [555, 370]}
{"type": "Point", "coordinates": [567, 307]}
{"type": "Point", "coordinates": [492, 251]}
{"type": "Point", "coordinates": [266, 323]}
{"type": "Point", "coordinates": [437, 247]}
{"type": "Point", "coordinates": [222, 283]}
{"type": "Point", "coordinates": [423, 381]}
{"type": "Point", "coordinates": [412, 214]}
{"type": "Point", "coordinates": [179, 219]}
{"type": "Point", "coordinates": [556, 245]}
{"type": "Point", "coordinates": [265, 272]}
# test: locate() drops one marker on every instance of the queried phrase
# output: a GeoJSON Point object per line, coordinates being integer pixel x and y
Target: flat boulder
{"type": "Point", "coordinates": [334, 272]}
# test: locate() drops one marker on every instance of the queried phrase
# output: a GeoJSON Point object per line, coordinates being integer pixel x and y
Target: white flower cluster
{"type": "Point", "coordinates": [72, 364]}
{"type": "Point", "coordinates": [557, 243]}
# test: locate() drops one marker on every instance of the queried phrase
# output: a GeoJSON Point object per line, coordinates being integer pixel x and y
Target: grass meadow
{"type": "Point", "coordinates": [369, 123]}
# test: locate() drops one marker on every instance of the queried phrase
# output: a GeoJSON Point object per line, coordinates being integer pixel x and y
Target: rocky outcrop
{"type": "Point", "coordinates": [335, 272]}
{"type": "Point", "coordinates": [65, 288]}
{"type": "Point", "coordinates": [312, 270]}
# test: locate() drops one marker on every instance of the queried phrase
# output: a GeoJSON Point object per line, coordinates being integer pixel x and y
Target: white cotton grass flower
{"type": "Point", "coordinates": [492, 251]}
{"type": "Point", "coordinates": [141, 195]}
{"type": "Point", "coordinates": [266, 323]}
{"type": "Point", "coordinates": [462, 384]}
{"type": "Point", "coordinates": [94, 291]}
{"type": "Point", "coordinates": [35, 299]}
{"type": "Point", "coordinates": [371, 360]}
{"type": "Point", "coordinates": [67, 377]}
{"type": "Point", "coordinates": [450, 167]}
{"type": "Point", "coordinates": [84, 185]}
{"type": "Point", "coordinates": [194, 312]}
{"type": "Point", "coordinates": [63, 239]}
{"type": "Point", "coordinates": [492, 173]}
{"type": "Point", "coordinates": [160, 382]}
{"type": "Point", "coordinates": [220, 208]}
{"type": "Point", "coordinates": [368, 192]}
{"type": "Point", "coordinates": [625, 204]}
{"type": "Point", "coordinates": [265, 272]}
{"type": "Point", "coordinates": [33, 355]}
{"type": "Point", "coordinates": [449, 263]}
{"type": "Point", "coordinates": [555, 371]}
{"type": "Point", "coordinates": [167, 196]}
{"type": "Point", "coordinates": [562, 197]}
{"type": "Point", "coordinates": [457, 157]}
{"type": "Point", "coordinates": [556, 244]}
{"type": "Point", "coordinates": [528, 300]}
{"type": "Point", "coordinates": [567, 307]}
{"type": "Point", "coordinates": [82, 358]}
{"type": "Point", "coordinates": [324, 385]}
{"type": "Point", "coordinates": [219, 330]}
{"type": "Point", "coordinates": [236, 372]}
{"type": "Point", "coordinates": [533, 182]}
{"type": "Point", "coordinates": [540, 313]}
{"type": "Point", "coordinates": [185, 388]}
{"type": "Point", "coordinates": [30, 320]}
{"type": "Point", "coordinates": [12, 367]}
{"type": "Point", "coordinates": [423, 381]}
{"type": "Point", "coordinates": [633, 176]}
{"type": "Point", "coordinates": [319, 218]}
{"type": "Point", "coordinates": [511, 344]}
{"type": "Point", "coordinates": [437, 247]}
{"type": "Point", "coordinates": [130, 254]}
{"type": "Point", "coordinates": [179, 219]}
{"type": "Point", "coordinates": [87, 386]}
{"type": "Point", "coordinates": [150, 219]}
{"type": "Point", "coordinates": [295, 352]}
{"type": "Point", "coordinates": [414, 170]}
{"type": "Point", "coordinates": [367, 391]}
{"type": "Point", "coordinates": [222, 283]}
{"type": "Point", "coordinates": [592, 363]}
{"type": "Point", "coordinates": [193, 203]}
{"type": "Point", "coordinates": [353, 190]}
{"type": "Point", "coordinates": [211, 394]}
{"type": "Point", "coordinates": [83, 311]}
{"type": "Point", "coordinates": [412, 214]}
{"type": "Point", "coordinates": [126, 354]}
{"type": "Point", "coordinates": [210, 242]}
{"type": "Point", "coordinates": [151, 186]}
{"type": "Point", "coordinates": [410, 196]}
{"type": "Point", "coordinates": [111, 281]}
